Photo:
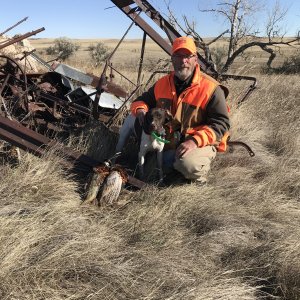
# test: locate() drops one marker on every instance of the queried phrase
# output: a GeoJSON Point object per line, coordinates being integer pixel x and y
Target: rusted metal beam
{"type": "Point", "coordinates": [4, 83]}
{"type": "Point", "coordinates": [144, 26]}
{"type": "Point", "coordinates": [37, 144]}
{"type": "Point", "coordinates": [170, 31]}
{"type": "Point", "coordinates": [115, 70]}
{"type": "Point", "coordinates": [141, 59]}
{"type": "Point", "coordinates": [155, 15]}
{"type": "Point", "coordinates": [126, 3]}
{"type": "Point", "coordinates": [250, 89]}
{"type": "Point", "coordinates": [21, 37]}
{"type": "Point", "coordinates": [82, 109]}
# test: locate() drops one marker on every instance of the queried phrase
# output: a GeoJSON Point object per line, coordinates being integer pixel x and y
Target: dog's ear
{"type": "Point", "coordinates": [169, 116]}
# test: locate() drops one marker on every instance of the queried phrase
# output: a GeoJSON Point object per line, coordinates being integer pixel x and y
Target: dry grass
{"type": "Point", "coordinates": [126, 58]}
{"type": "Point", "coordinates": [237, 238]}
{"type": "Point", "coordinates": [130, 49]}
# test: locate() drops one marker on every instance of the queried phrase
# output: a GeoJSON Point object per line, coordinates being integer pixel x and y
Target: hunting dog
{"type": "Point", "coordinates": [150, 136]}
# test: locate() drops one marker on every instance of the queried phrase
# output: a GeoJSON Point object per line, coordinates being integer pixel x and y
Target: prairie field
{"type": "Point", "coordinates": [237, 238]}
{"type": "Point", "coordinates": [127, 55]}
{"type": "Point", "coordinates": [130, 49]}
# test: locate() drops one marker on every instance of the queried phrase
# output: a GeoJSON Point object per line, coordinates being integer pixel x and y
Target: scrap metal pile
{"type": "Point", "coordinates": [63, 98]}
{"type": "Point", "coordinates": [37, 106]}
{"type": "Point", "coordinates": [58, 100]}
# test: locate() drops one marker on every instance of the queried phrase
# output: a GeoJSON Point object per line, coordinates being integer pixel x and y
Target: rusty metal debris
{"type": "Point", "coordinates": [33, 104]}
{"type": "Point", "coordinates": [13, 26]}
{"type": "Point", "coordinates": [232, 144]}
{"type": "Point", "coordinates": [21, 37]}
{"type": "Point", "coordinates": [50, 100]}
{"type": "Point", "coordinates": [38, 144]}
{"type": "Point", "coordinates": [64, 98]}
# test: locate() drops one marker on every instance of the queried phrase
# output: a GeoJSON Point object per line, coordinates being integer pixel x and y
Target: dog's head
{"type": "Point", "coordinates": [155, 120]}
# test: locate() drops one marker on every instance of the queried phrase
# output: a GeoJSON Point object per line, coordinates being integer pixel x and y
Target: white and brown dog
{"type": "Point", "coordinates": [150, 136]}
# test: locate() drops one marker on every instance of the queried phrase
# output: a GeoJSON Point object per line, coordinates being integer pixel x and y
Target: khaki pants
{"type": "Point", "coordinates": [196, 164]}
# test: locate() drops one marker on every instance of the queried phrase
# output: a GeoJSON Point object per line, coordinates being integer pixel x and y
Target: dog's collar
{"type": "Point", "coordinates": [158, 138]}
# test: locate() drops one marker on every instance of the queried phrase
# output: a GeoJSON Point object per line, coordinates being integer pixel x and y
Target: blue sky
{"type": "Point", "coordinates": [90, 19]}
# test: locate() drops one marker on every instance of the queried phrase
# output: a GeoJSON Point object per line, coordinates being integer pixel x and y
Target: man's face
{"type": "Point", "coordinates": [184, 63]}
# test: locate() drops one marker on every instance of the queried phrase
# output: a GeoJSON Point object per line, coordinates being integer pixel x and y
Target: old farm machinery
{"type": "Point", "coordinates": [34, 107]}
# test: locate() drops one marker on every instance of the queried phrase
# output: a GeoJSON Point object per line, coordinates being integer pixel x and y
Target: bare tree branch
{"type": "Point", "coordinates": [243, 35]}
{"type": "Point", "coordinates": [239, 14]}
{"type": "Point", "coordinates": [190, 30]}
{"type": "Point", "coordinates": [274, 18]}
{"type": "Point", "coordinates": [218, 37]}
{"type": "Point", "coordinates": [262, 45]}
{"type": "Point", "coordinates": [272, 54]}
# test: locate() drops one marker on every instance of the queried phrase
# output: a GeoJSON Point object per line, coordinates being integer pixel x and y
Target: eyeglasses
{"type": "Point", "coordinates": [183, 56]}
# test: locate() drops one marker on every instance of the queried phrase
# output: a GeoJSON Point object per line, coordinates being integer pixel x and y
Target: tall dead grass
{"type": "Point", "coordinates": [237, 238]}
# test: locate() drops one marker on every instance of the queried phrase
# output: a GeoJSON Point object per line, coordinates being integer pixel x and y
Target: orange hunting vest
{"type": "Point", "coordinates": [189, 108]}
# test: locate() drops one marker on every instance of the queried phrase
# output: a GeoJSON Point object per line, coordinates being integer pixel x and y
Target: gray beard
{"type": "Point", "coordinates": [183, 74]}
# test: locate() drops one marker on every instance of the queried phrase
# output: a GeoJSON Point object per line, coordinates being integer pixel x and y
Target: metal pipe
{"type": "Point", "coordinates": [8, 29]}
{"type": "Point", "coordinates": [123, 37]}
{"type": "Point", "coordinates": [102, 81]}
{"type": "Point", "coordinates": [141, 58]}
{"type": "Point", "coordinates": [121, 74]}
{"type": "Point", "coordinates": [21, 37]}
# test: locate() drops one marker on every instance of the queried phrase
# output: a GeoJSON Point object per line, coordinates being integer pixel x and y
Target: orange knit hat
{"type": "Point", "coordinates": [184, 42]}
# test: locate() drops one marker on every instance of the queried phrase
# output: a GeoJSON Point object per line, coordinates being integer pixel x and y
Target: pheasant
{"type": "Point", "coordinates": [105, 185]}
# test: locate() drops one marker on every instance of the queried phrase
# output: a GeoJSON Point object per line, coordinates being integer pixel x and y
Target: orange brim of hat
{"type": "Point", "coordinates": [184, 42]}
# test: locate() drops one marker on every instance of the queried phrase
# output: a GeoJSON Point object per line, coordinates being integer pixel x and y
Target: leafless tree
{"type": "Point", "coordinates": [242, 33]}
{"type": "Point", "coordinates": [189, 29]}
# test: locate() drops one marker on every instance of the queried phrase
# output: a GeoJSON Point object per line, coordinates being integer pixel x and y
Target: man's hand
{"type": "Point", "coordinates": [140, 115]}
{"type": "Point", "coordinates": [184, 148]}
